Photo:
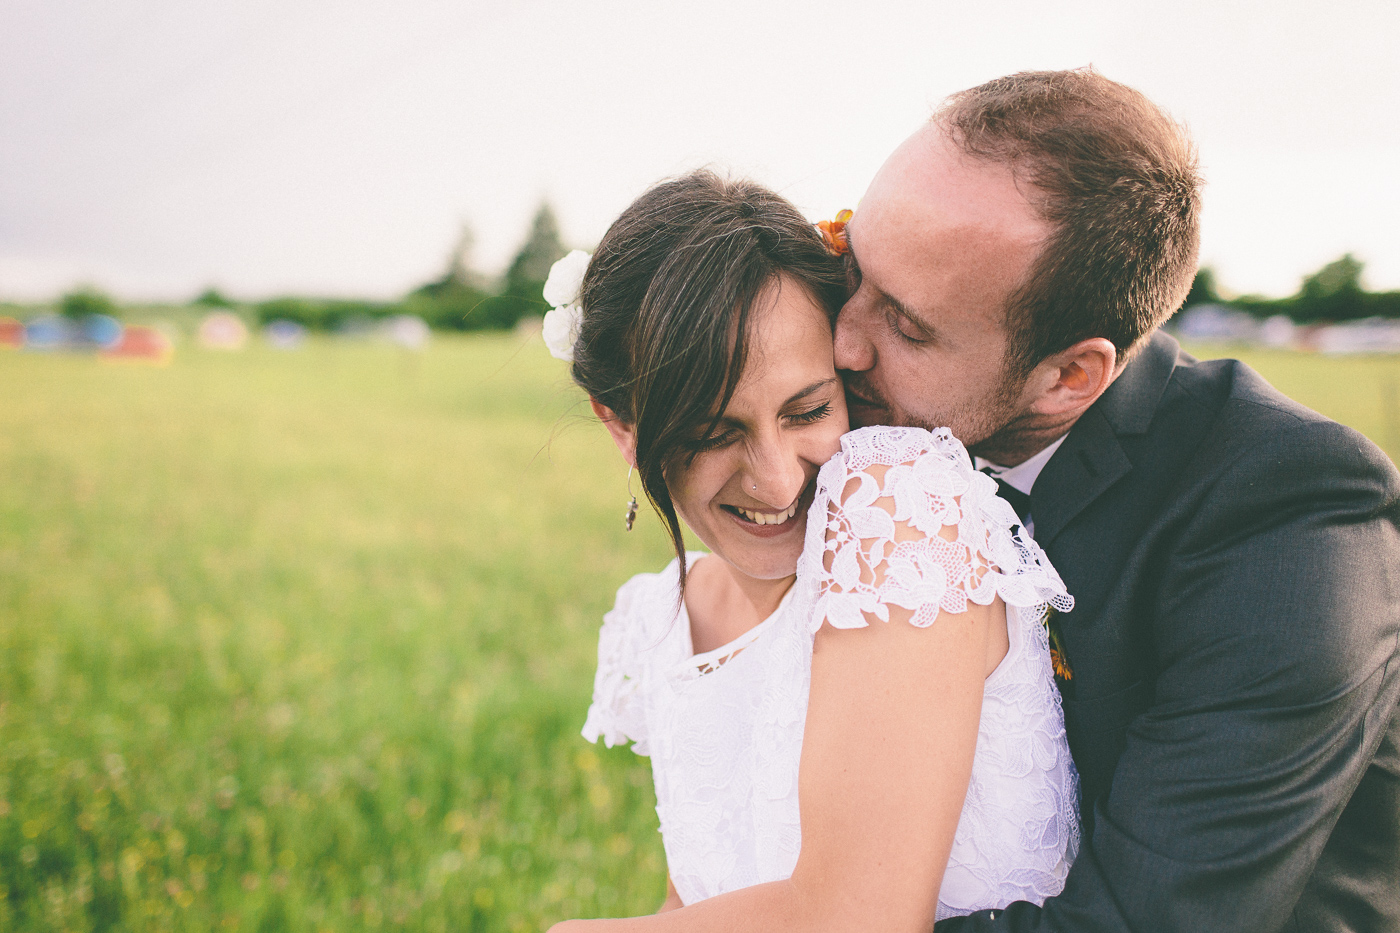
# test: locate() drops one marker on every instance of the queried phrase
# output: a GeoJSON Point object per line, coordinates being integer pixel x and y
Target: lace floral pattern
{"type": "Point", "coordinates": [618, 713]}
{"type": "Point", "coordinates": [883, 543]}
{"type": "Point", "coordinates": [900, 518]}
{"type": "Point", "coordinates": [723, 730]}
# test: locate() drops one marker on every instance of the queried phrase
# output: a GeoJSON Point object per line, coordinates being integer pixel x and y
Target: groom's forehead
{"type": "Point", "coordinates": [933, 207]}
{"type": "Point", "coordinates": [907, 256]}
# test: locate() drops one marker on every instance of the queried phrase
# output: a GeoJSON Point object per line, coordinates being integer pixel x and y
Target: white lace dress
{"type": "Point", "coordinates": [724, 728]}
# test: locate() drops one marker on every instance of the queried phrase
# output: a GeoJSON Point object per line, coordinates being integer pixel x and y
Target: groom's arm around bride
{"type": "Point", "coordinates": [1232, 663]}
{"type": "Point", "coordinates": [1232, 707]}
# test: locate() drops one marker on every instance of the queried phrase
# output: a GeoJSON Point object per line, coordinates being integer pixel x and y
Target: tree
{"type": "Point", "coordinates": [524, 284]}
{"type": "Point", "coordinates": [213, 298]}
{"type": "Point", "coordinates": [454, 300]}
{"type": "Point", "coordinates": [459, 262]}
{"type": "Point", "coordinates": [542, 249]}
{"type": "Point", "coordinates": [85, 301]}
{"type": "Point", "coordinates": [459, 299]}
{"type": "Point", "coordinates": [1332, 293]}
{"type": "Point", "coordinates": [1204, 290]}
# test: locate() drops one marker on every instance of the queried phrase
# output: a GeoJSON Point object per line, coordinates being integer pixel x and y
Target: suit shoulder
{"type": "Point", "coordinates": [1297, 437]}
{"type": "Point", "coordinates": [1256, 424]}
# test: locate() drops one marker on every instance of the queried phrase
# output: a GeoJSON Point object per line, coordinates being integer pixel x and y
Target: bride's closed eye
{"type": "Point", "coordinates": [811, 416]}
{"type": "Point", "coordinates": [702, 445]}
{"type": "Point", "coordinates": [726, 437]}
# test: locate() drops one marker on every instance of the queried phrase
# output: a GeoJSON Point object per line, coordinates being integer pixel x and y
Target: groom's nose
{"type": "Point", "coordinates": [853, 348]}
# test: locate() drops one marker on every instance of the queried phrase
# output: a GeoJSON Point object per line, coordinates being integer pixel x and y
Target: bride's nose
{"type": "Point", "coordinates": [775, 474]}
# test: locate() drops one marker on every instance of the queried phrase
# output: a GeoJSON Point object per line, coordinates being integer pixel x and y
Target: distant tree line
{"type": "Point", "coordinates": [1332, 293]}
{"type": "Point", "coordinates": [461, 299]}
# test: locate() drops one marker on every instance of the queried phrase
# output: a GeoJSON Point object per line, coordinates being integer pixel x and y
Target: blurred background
{"type": "Point", "coordinates": [304, 539]}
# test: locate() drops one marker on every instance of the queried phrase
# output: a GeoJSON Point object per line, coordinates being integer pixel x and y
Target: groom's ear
{"type": "Point", "coordinates": [624, 435]}
{"type": "Point", "coordinates": [1068, 382]}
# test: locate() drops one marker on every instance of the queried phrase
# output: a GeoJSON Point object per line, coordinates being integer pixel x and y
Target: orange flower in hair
{"type": "Point", "coordinates": [834, 233]}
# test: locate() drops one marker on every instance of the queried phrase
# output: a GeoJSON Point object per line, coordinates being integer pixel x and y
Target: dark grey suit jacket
{"type": "Point", "coordinates": [1235, 656]}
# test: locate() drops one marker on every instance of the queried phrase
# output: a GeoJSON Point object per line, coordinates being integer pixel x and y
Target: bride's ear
{"type": "Point", "coordinates": [624, 435]}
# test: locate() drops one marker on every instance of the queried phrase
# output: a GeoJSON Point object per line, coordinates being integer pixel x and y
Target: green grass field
{"type": "Point", "coordinates": [303, 641]}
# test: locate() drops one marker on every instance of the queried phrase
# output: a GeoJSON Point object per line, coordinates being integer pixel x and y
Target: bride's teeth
{"type": "Point", "coordinates": [765, 518]}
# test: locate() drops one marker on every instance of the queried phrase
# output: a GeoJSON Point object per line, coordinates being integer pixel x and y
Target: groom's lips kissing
{"type": "Point", "coordinates": [864, 409]}
{"type": "Point", "coordinates": [765, 524]}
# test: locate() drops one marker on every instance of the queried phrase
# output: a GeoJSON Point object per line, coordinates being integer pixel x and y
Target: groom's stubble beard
{"type": "Point", "coordinates": [993, 429]}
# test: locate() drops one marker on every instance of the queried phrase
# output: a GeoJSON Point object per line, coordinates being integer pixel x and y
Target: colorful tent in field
{"type": "Point", "coordinates": [223, 330]}
{"type": "Point", "coordinates": [49, 332]}
{"type": "Point", "coordinates": [141, 344]}
{"type": "Point", "coordinates": [11, 333]}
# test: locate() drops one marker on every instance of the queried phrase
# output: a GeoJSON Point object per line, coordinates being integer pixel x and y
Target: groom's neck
{"type": "Point", "coordinates": [1023, 437]}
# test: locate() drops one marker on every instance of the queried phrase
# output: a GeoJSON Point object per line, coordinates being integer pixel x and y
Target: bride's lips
{"type": "Point", "coordinates": [799, 512]}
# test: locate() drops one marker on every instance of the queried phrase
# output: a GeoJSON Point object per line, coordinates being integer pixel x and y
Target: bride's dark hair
{"type": "Point", "coordinates": [667, 303]}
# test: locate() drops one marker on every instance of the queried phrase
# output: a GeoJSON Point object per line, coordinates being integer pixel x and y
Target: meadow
{"type": "Point", "coordinates": [303, 640]}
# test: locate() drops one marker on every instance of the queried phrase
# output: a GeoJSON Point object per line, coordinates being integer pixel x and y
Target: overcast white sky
{"type": "Point", "coordinates": [153, 147]}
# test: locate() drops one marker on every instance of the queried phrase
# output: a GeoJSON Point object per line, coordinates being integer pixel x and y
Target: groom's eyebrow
{"type": "Point", "coordinates": [899, 307]}
{"type": "Point", "coordinates": [909, 315]}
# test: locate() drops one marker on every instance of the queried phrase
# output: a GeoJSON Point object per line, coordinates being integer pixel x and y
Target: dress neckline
{"type": "Point", "coordinates": [710, 661]}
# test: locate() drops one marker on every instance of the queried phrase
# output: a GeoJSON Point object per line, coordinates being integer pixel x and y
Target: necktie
{"type": "Point", "coordinates": [1020, 501]}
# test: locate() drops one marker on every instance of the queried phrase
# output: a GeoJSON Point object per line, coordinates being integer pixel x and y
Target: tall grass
{"type": "Point", "coordinates": [303, 641]}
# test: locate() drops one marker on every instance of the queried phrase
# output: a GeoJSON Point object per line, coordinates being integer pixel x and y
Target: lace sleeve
{"type": "Point", "coordinates": [617, 714]}
{"type": "Point", "coordinates": [900, 518]}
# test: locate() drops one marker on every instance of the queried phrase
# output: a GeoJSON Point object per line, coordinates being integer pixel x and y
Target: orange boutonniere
{"type": "Point", "coordinates": [834, 233]}
{"type": "Point", "coordinates": [1057, 649]}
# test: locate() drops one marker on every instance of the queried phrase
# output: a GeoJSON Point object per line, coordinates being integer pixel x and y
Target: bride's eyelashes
{"type": "Point", "coordinates": [725, 438]}
{"type": "Point", "coordinates": [713, 442]}
{"type": "Point", "coordinates": [811, 416]}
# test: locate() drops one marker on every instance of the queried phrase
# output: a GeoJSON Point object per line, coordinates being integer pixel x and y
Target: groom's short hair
{"type": "Point", "coordinates": [1118, 181]}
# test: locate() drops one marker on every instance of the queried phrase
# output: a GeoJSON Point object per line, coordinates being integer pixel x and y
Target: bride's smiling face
{"type": "Point", "coordinates": [746, 489]}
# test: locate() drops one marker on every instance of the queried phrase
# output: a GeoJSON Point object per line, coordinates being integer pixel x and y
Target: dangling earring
{"type": "Point", "coordinates": [631, 506]}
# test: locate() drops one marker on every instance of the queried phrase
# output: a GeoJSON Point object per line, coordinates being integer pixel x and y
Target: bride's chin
{"type": "Point", "coordinates": [772, 558]}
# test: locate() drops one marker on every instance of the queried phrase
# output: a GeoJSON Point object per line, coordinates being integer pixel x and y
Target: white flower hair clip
{"type": "Point", "coordinates": [563, 290]}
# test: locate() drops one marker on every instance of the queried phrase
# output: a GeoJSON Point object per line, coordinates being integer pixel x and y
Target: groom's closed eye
{"type": "Point", "coordinates": [905, 323]}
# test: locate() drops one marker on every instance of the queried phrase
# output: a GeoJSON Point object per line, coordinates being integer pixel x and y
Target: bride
{"type": "Point", "coordinates": [848, 701]}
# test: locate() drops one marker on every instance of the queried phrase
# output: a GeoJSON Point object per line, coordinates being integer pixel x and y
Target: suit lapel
{"type": "Point", "coordinates": [1092, 459]}
{"type": "Point", "coordinates": [1087, 463]}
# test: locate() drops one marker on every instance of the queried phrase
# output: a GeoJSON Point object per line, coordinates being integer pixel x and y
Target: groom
{"type": "Point", "coordinates": [1231, 669]}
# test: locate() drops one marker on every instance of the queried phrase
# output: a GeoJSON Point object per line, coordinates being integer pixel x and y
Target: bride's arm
{"type": "Point", "coordinates": [886, 757]}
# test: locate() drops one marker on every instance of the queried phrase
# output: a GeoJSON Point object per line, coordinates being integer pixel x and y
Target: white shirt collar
{"type": "Point", "coordinates": [1023, 475]}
